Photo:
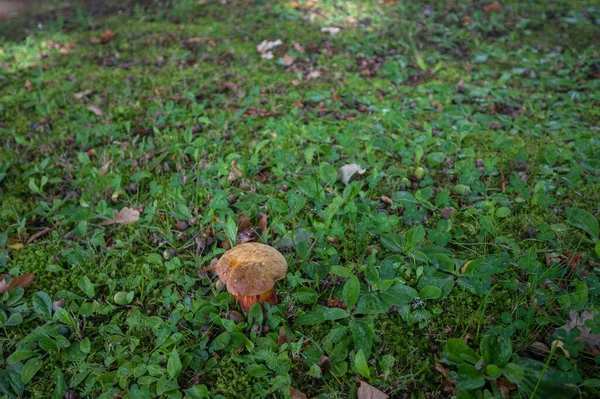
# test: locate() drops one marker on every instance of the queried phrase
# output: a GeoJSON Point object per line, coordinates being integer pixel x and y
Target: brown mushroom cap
{"type": "Point", "coordinates": [251, 269]}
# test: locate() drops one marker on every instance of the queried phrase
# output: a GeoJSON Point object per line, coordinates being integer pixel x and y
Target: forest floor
{"type": "Point", "coordinates": [431, 172]}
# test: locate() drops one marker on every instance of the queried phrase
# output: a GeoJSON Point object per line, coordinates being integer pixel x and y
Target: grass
{"type": "Point", "coordinates": [476, 125]}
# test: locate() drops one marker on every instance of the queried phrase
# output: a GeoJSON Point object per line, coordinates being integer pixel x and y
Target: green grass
{"type": "Point", "coordinates": [480, 128]}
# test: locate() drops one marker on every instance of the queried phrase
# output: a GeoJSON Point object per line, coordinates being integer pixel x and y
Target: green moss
{"type": "Point", "coordinates": [229, 379]}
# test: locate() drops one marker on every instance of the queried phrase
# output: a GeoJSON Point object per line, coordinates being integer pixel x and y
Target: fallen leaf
{"type": "Point", "coordinates": [366, 391]}
{"type": "Point", "coordinates": [493, 7]}
{"type": "Point", "coordinates": [287, 60]}
{"type": "Point", "coordinates": [559, 344]}
{"type": "Point", "coordinates": [15, 245]}
{"type": "Point", "coordinates": [331, 30]}
{"type": "Point", "coordinates": [97, 111]}
{"type": "Point", "coordinates": [346, 172]}
{"type": "Point", "coordinates": [81, 94]}
{"type": "Point", "coordinates": [263, 223]}
{"type": "Point", "coordinates": [294, 4]}
{"type": "Point", "coordinates": [107, 36]}
{"type": "Point", "coordinates": [257, 112]}
{"type": "Point", "coordinates": [245, 230]}
{"type": "Point", "coordinates": [228, 86]}
{"type": "Point", "coordinates": [591, 341]}
{"type": "Point", "coordinates": [336, 303]}
{"type": "Point", "coordinates": [282, 338]}
{"type": "Point", "coordinates": [124, 216]}
{"type": "Point", "coordinates": [28, 85]}
{"type": "Point", "coordinates": [296, 394]}
{"type": "Point", "coordinates": [235, 172]}
{"type": "Point", "coordinates": [505, 386]}
{"type": "Point", "coordinates": [104, 168]}
{"type": "Point", "coordinates": [24, 281]}
{"type": "Point", "coordinates": [387, 200]}
{"type": "Point", "coordinates": [464, 267]}
{"type": "Point", "coordinates": [297, 46]}
{"type": "Point", "coordinates": [448, 384]}
{"type": "Point", "coordinates": [266, 45]}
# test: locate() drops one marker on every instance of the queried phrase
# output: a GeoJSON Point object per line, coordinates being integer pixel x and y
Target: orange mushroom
{"type": "Point", "coordinates": [249, 271]}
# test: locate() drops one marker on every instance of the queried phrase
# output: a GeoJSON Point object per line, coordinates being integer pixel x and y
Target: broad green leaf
{"type": "Point", "coordinates": [19, 355]}
{"type": "Point", "coordinates": [513, 372]}
{"type": "Point", "coordinates": [553, 383]}
{"type": "Point", "coordinates": [459, 352]}
{"type": "Point", "coordinates": [496, 349]}
{"type": "Point", "coordinates": [362, 332]}
{"type": "Point", "coordinates": [174, 363]}
{"type": "Point", "coordinates": [468, 377]}
{"type": "Point", "coordinates": [584, 220]}
{"type": "Point", "coordinates": [350, 292]}
{"type": "Point", "coordinates": [371, 303]}
{"type": "Point", "coordinates": [31, 367]}
{"type": "Point", "coordinates": [315, 316]}
{"type": "Point", "coordinates": [42, 304]}
{"type": "Point", "coordinates": [360, 362]}
{"type": "Point", "coordinates": [430, 292]}
{"type": "Point", "coordinates": [60, 385]}
{"type": "Point", "coordinates": [305, 295]}
{"type": "Point", "coordinates": [85, 345]}
{"type": "Point", "coordinates": [335, 313]}
{"type": "Point", "coordinates": [493, 371]}
{"type": "Point", "coordinates": [503, 212]}
{"type": "Point", "coordinates": [399, 295]}
{"type": "Point", "coordinates": [14, 320]}
{"type": "Point", "coordinates": [86, 286]}
{"type": "Point", "coordinates": [221, 341]}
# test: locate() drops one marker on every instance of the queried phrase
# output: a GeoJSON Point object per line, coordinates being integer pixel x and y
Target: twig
{"type": "Point", "coordinates": [42, 233]}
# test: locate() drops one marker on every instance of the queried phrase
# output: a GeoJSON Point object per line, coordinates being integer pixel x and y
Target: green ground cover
{"type": "Point", "coordinates": [464, 261]}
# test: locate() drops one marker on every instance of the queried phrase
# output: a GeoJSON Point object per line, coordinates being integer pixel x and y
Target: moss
{"type": "Point", "coordinates": [229, 379]}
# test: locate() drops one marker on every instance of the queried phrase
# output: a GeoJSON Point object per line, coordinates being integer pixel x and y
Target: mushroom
{"type": "Point", "coordinates": [249, 271]}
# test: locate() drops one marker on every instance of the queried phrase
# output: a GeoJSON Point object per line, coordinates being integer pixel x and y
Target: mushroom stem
{"type": "Point", "coordinates": [246, 302]}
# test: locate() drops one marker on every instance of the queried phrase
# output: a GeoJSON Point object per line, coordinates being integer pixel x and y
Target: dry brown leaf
{"type": "Point", "coordinates": [24, 281]}
{"type": "Point", "coordinates": [104, 168]}
{"type": "Point", "coordinates": [297, 46]}
{"type": "Point", "coordinates": [107, 36]}
{"type": "Point", "coordinates": [346, 172]}
{"type": "Point", "coordinates": [127, 215]}
{"type": "Point", "coordinates": [448, 384]}
{"type": "Point", "coordinates": [505, 386]}
{"type": "Point", "coordinates": [81, 94]}
{"type": "Point", "coordinates": [366, 391]}
{"type": "Point", "coordinates": [228, 86]}
{"type": "Point", "coordinates": [235, 172]}
{"type": "Point", "coordinates": [294, 4]}
{"type": "Point", "coordinates": [97, 111]}
{"type": "Point", "coordinates": [263, 223]}
{"type": "Point", "coordinates": [387, 200]}
{"type": "Point", "coordinates": [591, 341]}
{"type": "Point", "coordinates": [287, 60]}
{"type": "Point", "coordinates": [296, 394]}
{"type": "Point", "coordinates": [245, 230]}
{"type": "Point", "coordinates": [493, 7]}
{"type": "Point", "coordinates": [282, 338]}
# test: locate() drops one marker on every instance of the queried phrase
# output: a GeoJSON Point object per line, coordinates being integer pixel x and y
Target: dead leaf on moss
{"type": "Point", "coordinates": [493, 7]}
{"type": "Point", "coordinates": [235, 173]}
{"type": "Point", "coordinates": [591, 341]}
{"type": "Point", "coordinates": [366, 391]}
{"type": "Point", "coordinates": [448, 384]}
{"type": "Point", "coordinates": [23, 281]}
{"type": "Point", "coordinates": [346, 172]}
{"type": "Point", "coordinates": [296, 394]}
{"type": "Point", "coordinates": [97, 111]}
